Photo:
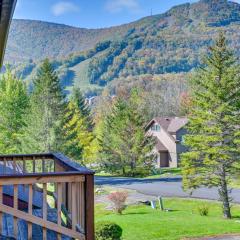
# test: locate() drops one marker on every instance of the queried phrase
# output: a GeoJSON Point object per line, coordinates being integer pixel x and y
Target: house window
{"type": "Point", "coordinates": [155, 128]}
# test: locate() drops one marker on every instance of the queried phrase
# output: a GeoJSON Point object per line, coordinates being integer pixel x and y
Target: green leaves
{"type": "Point", "coordinates": [77, 127]}
{"type": "Point", "coordinates": [14, 104]}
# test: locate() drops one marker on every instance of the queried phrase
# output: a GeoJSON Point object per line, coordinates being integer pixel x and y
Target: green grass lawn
{"type": "Point", "coordinates": [166, 172]}
{"type": "Point", "coordinates": [144, 223]}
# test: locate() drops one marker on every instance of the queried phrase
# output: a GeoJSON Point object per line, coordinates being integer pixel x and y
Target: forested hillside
{"type": "Point", "coordinates": [53, 40]}
{"type": "Point", "coordinates": [172, 42]}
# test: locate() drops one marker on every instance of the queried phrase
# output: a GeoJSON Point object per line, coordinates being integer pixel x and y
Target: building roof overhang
{"type": "Point", "coordinates": [6, 13]}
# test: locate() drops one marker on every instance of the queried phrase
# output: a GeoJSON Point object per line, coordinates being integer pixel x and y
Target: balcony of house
{"type": "Point", "coordinates": [45, 196]}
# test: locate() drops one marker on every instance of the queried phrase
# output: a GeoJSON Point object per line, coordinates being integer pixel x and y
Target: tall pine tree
{"type": "Point", "coordinates": [47, 108]}
{"type": "Point", "coordinates": [124, 144]}
{"type": "Point", "coordinates": [213, 130]}
{"type": "Point", "coordinates": [13, 110]}
{"type": "Point", "coordinates": [78, 141]}
{"type": "Point", "coordinates": [84, 109]}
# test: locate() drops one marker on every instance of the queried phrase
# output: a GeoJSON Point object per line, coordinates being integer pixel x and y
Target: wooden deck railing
{"type": "Point", "coordinates": [47, 183]}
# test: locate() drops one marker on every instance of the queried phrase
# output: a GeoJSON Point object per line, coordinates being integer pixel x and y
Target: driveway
{"type": "Point", "coordinates": [165, 187]}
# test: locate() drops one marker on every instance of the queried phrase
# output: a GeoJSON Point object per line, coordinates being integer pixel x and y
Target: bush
{"type": "Point", "coordinates": [203, 210]}
{"type": "Point", "coordinates": [119, 201]}
{"type": "Point", "coordinates": [108, 231]}
{"type": "Point", "coordinates": [139, 172]}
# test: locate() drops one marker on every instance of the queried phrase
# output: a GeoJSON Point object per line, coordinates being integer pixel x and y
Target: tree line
{"type": "Point", "coordinates": [43, 120]}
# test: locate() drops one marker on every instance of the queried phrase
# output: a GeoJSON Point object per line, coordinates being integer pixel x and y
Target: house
{"type": "Point", "coordinates": [42, 196]}
{"type": "Point", "coordinates": [169, 133]}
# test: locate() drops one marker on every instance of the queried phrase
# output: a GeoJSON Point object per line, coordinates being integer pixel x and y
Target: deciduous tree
{"type": "Point", "coordinates": [13, 110]}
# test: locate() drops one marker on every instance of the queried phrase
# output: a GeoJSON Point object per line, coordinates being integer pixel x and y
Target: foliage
{"type": "Point", "coordinates": [84, 109]}
{"type": "Point", "coordinates": [213, 130]}
{"type": "Point", "coordinates": [203, 210]}
{"type": "Point", "coordinates": [118, 200]}
{"type": "Point", "coordinates": [43, 120]}
{"type": "Point", "coordinates": [108, 231]}
{"type": "Point", "coordinates": [50, 40]}
{"type": "Point", "coordinates": [123, 141]}
{"type": "Point", "coordinates": [77, 127]}
{"type": "Point", "coordinates": [14, 104]}
{"type": "Point", "coordinates": [46, 107]}
{"type": "Point", "coordinates": [161, 93]}
{"type": "Point", "coordinates": [70, 129]}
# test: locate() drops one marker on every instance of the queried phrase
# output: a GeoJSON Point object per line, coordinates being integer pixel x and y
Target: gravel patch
{"type": "Point", "coordinates": [133, 197]}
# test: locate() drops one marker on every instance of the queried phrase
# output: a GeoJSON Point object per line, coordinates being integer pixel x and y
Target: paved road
{"type": "Point", "coordinates": [165, 187]}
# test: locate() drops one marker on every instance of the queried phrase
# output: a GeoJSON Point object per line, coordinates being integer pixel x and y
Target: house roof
{"type": "Point", "coordinates": [176, 124]}
{"type": "Point", "coordinates": [170, 124]}
{"type": "Point", "coordinates": [6, 13]}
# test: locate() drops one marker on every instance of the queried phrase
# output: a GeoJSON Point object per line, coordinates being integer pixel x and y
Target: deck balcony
{"type": "Point", "coordinates": [45, 196]}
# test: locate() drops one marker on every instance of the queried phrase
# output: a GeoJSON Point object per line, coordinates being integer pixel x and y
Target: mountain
{"type": "Point", "coordinates": [52, 40]}
{"type": "Point", "coordinates": [172, 42]}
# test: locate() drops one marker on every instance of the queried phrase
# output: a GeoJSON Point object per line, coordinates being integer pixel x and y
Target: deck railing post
{"type": "Point", "coordinates": [30, 200]}
{"type": "Point", "coordinates": [34, 165]}
{"type": "Point", "coordinates": [89, 207]}
{"type": "Point", "coordinates": [44, 209]}
{"type": "Point", "coordinates": [5, 166]}
{"type": "Point", "coordinates": [15, 206]}
{"type": "Point", "coordinates": [1, 214]}
{"type": "Point", "coordinates": [59, 207]}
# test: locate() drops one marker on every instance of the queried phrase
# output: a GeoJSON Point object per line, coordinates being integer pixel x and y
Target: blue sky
{"type": "Point", "coordinates": [92, 13]}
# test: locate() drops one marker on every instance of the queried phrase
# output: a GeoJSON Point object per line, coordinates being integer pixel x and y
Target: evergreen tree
{"type": "Point", "coordinates": [214, 134]}
{"type": "Point", "coordinates": [13, 110]}
{"type": "Point", "coordinates": [124, 144]}
{"type": "Point", "coordinates": [47, 108]}
{"type": "Point", "coordinates": [71, 146]}
{"type": "Point", "coordinates": [84, 109]}
{"type": "Point", "coordinates": [77, 130]}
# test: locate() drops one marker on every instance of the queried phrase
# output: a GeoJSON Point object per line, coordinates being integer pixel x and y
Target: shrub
{"type": "Point", "coordinates": [118, 200]}
{"type": "Point", "coordinates": [139, 172]}
{"type": "Point", "coordinates": [203, 210]}
{"type": "Point", "coordinates": [108, 231]}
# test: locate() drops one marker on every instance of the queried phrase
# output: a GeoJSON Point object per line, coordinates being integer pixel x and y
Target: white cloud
{"type": "Point", "coordinates": [115, 6]}
{"type": "Point", "coordinates": [64, 7]}
{"type": "Point", "coordinates": [237, 1]}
